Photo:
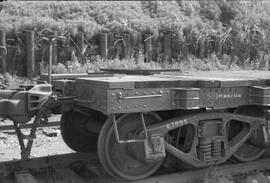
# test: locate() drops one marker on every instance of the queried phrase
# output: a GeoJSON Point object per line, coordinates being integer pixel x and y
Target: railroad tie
{"type": "Point", "coordinates": [25, 177]}
{"type": "Point", "coordinates": [69, 175]}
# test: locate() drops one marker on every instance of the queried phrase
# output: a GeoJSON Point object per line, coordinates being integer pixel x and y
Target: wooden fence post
{"type": "Point", "coordinates": [180, 3]}
{"type": "Point", "coordinates": [30, 54]}
{"type": "Point", "coordinates": [167, 46]}
{"type": "Point", "coordinates": [54, 52]}
{"type": "Point", "coordinates": [50, 61]}
{"type": "Point", "coordinates": [201, 48]}
{"type": "Point", "coordinates": [138, 47]}
{"type": "Point", "coordinates": [127, 46]}
{"type": "Point", "coordinates": [80, 43]}
{"type": "Point", "coordinates": [148, 47]}
{"type": "Point", "coordinates": [3, 51]}
{"type": "Point", "coordinates": [103, 42]}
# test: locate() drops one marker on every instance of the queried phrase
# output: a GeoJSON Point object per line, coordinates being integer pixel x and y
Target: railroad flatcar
{"type": "Point", "coordinates": [134, 120]}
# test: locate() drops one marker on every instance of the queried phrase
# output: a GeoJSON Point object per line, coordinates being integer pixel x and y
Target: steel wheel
{"type": "Point", "coordinates": [75, 133]}
{"type": "Point", "coordinates": [100, 147]}
{"type": "Point", "coordinates": [126, 161]}
{"type": "Point", "coordinates": [252, 149]}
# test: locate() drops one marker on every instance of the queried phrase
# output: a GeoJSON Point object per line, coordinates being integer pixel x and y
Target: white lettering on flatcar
{"type": "Point", "coordinates": [228, 96]}
{"type": "Point", "coordinates": [176, 124]}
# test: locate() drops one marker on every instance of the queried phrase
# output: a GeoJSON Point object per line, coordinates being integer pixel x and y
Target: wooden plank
{"type": "Point", "coordinates": [25, 177]}
{"type": "Point", "coordinates": [234, 74]}
{"type": "Point", "coordinates": [110, 82]}
{"type": "Point", "coordinates": [69, 175]}
{"type": "Point", "coordinates": [30, 53]}
{"type": "Point", "coordinates": [139, 72]}
{"type": "Point", "coordinates": [3, 51]}
{"type": "Point", "coordinates": [44, 77]}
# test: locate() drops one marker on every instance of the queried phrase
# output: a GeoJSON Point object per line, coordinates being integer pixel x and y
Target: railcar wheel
{"type": "Point", "coordinates": [126, 161]}
{"type": "Point", "coordinates": [252, 149]}
{"type": "Point", "coordinates": [75, 133]}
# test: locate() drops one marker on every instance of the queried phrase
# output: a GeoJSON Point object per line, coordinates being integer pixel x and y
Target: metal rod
{"type": "Point", "coordinates": [117, 134]}
{"type": "Point", "coordinates": [140, 97]}
{"type": "Point", "coordinates": [50, 62]}
{"type": "Point", "coordinates": [25, 126]}
{"type": "Point", "coordinates": [144, 126]}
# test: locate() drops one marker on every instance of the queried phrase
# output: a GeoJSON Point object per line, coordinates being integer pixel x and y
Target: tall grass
{"type": "Point", "coordinates": [192, 63]}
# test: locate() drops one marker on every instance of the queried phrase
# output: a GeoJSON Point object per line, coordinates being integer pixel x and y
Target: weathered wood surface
{"type": "Point", "coordinates": [178, 79]}
{"type": "Point", "coordinates": [103, 42]}
{"type": "Point", "coordinates": [25, 177]}
{"type": "Point", "coordinates": [3, 51]}
{"type": "Point", "coordinates": [30, 53]}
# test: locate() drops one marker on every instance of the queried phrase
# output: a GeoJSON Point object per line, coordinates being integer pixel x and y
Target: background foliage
{"type": "Point", "coordinates": [229, 33]}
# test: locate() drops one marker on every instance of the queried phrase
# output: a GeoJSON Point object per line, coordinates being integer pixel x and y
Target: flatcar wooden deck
{"type": "Point", "coordinates": [178, 79]}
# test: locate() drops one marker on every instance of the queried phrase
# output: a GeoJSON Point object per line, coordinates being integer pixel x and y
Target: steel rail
{"type": "Point", "coordinates": [201, 174]}
{"type": "Point", "coordinates": [25, 126]}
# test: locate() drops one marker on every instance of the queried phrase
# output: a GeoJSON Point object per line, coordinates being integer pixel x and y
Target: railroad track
{"type": "Point", "coordinates": [83, 168]}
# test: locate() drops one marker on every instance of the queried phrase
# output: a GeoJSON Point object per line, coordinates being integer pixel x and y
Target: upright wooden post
{"type": "Point", "coordinates": [3, 51]}
{"type": "Point", "coordinates": [167, 46]}
{"type": "Point", "coordinates": [139, 46]}
{"type": "Point", "coordinates": [30, 54]}
{"type": "Point", "coordinates": [50, 62]}
{"type": "Point", "coordinates": [180, 2]}
{"type": "Point", "coordinates": [103, 42]}
{"type": "Point", "coordinates": [148, 47]}
{"type": "Point", "coordinates": [174, 46]}
{"type": "Point", "coordinates": [201, 48]}
{"type": "Point", "coordinates": [54, 52]}
{"type": "Point", "coordinates": [127, 45]}
{"type": "Point", "coordinates": [111, 48]}
{"type": "Point", "coordinates": [80, 43]}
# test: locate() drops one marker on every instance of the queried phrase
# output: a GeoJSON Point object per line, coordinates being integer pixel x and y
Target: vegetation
{"type": "Point", "coordinates": [208, 35]}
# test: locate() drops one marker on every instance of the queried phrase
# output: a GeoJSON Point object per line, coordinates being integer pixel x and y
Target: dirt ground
{"type": "Point", "coordinates": [48, 142]}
